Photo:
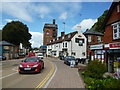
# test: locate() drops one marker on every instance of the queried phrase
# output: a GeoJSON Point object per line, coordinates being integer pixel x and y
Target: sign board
{"type": "Point", "coordinates": [72, 63]}
{"type": "Point", "coordinates": [114, 45]}
{"type": "Point", "coordinates": [100, 46]}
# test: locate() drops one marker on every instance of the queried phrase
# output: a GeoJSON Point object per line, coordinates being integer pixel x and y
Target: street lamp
{"type": "Point", "coordinates": [64, 26]}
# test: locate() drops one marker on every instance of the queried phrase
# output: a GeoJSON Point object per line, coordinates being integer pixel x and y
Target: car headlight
{"type": "Point", "coordinates": [35, 65]}
{"type": "Point", "coordinates": [20, 65]}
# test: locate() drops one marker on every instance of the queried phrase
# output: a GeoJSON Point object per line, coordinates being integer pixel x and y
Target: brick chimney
{"type": "Point", "coordinates": [62, 33]}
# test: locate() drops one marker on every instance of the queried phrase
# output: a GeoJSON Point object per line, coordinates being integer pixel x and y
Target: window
{"type": "Point", "coordinates": [89, 38]}
{"type": "Point", "coordinates": [98, 38]}
{"type": "Point", "coordinates": [47, 40]}
{"type": "Point", "coordinates": [59, 45]}
{"type": "Point", "coordinates": [116, 30]}
{"type": "Point", "coordinates": [63, 44]}
{"type": "Point", "coordinates": [63, 37]}
{"type": "Point", "coordinates": [118, 8]}
{"type": "Point", "coordinates": [66, 44]}
{"type": "Point", "coordinates": [77, 40]}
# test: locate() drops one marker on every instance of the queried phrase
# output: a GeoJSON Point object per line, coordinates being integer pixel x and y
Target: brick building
{"type": "Point", "coordinates": [94, 51]}
{"type": "Point", "coordinates": [50, 32]}
{"type": "Point", "coordinates": [111, 39]}
{"type": "Point", "coordinates": [107, 48]}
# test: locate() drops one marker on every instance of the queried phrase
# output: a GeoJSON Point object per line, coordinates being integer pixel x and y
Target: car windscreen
{"type": "Point", "coordinates": [32, 59]}
{"type": "Point", "coordinates": [40, 55]}
{"type": "Point", "coordinates": [70, 58]}
{"type": "Point", "coordinates": [32, 54]}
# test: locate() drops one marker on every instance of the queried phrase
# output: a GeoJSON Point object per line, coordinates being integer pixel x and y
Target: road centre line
{"type": "Point", "coordinates": [46, 78]}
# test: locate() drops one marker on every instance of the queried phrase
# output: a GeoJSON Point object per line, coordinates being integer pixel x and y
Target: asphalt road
{"type": "Point", "coordinates": [12, 79]}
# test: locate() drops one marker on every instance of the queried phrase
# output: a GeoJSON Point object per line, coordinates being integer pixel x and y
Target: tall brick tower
{"type": "Point", "coordinates": [50, 32]}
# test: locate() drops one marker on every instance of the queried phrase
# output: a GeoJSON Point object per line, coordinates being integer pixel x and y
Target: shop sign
{"type": "Point", "coordinates": [106, 46]}
{"type": "Point", "coordinates": [96, 46]}
{"type": "Point", "coordinates": [114, 45]}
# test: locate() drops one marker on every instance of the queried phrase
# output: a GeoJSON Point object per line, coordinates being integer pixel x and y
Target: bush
{"type": "Point", "coordinates": [93, 83]}
{"type": "Point", "coordinates": [95, 69]}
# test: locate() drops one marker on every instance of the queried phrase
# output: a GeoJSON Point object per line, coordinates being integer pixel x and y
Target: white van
{"type": "Point", "coordinates": [40, 55]}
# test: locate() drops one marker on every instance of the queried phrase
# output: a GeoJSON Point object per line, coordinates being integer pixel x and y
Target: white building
{"type": "Point", "coordinates": [72, 44]}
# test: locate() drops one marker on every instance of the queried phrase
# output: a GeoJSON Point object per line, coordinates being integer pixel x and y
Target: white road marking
{"type": "Point", "coordinates": [48, 82]}
{"type": "Point", "coordinates": [15, 69]}
{"type": "Point", "coordinates": [8, 75]}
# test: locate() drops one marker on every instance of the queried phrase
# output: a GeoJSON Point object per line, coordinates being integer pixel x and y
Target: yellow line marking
{"type": "Point", "coordinates": [46, 78]}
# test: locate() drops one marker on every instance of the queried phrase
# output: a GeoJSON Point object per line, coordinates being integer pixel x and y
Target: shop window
{"type": "Point", "coordinates": [116, 30]}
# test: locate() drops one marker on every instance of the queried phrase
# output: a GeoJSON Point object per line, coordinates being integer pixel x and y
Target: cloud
{"type": "Point", "coordinates": [8, 20]}
{"type": "Point", "coordinates": [1, 27]}
{"type": "Point", "coordinates": [63, 16]}
{"type": "Point", "coordinates": [37, 39]}
{"type": "Point", "coordinates": [17, 10]}
{"type": "Point", "coordinates": [85, 24]}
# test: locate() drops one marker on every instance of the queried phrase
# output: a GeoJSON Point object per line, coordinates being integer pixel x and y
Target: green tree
{"type": "Point", "coordinates": [16, 32]}
{"type": "Point", "coordinates": [97, 25]}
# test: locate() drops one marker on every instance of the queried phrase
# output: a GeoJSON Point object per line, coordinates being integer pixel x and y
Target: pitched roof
{"type": "Point", "coordinates": [66, 37]}
{"type": "Point", "coordinates": [92, 32]}
{"type": "Point", "coordinates": [109, 13]}
{"type": "Point", "coordinates": [5, 43]}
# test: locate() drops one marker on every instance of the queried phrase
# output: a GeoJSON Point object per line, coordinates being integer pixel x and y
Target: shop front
{"type": "Point", "coordinates": [113, 57]}
{"type": "Point", "coordinates": [98, 52]}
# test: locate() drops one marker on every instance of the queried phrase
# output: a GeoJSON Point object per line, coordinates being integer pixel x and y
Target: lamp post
{"type": "Point", "coordinates": [64, 26]}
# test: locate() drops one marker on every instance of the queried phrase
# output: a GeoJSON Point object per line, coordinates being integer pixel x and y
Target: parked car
{"type": "Point", "coordinates": [40, 55]}
{"type": "Point", "coordinates": [2, 58]}
{"type": "Point", "coordinates": [61, 57]}
{"type": "Point", "coordinates": [68, 60]}
{"type": "Point", "coordinates": [31, 54]}
{"type": "Point", "coordinates": [31, 64]}
{"type": "Point", "coordinates": [21, 55]}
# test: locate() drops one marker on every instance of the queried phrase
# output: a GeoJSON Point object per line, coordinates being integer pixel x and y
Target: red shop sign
{"type": "Point", "coordinates": [114, 45]}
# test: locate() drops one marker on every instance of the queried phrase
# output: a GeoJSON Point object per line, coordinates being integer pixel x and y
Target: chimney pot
{"type": "Point", "coordinates": [62, 33]}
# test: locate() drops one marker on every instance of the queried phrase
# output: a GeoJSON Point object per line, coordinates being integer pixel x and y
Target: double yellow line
{"type": "Point", "coordinates": [46, 78]}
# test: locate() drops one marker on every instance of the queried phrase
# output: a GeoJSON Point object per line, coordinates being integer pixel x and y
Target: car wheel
{"type": "Point", "coordinates": [40, 70]}
{"type": "Point", "coordinates": [20, 73]}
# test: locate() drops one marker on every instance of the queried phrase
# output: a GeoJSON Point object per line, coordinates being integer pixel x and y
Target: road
{"type": "Point", "coordinates": [12, 79]}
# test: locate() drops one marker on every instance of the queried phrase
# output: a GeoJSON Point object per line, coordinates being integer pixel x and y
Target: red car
{"type": "Point", "coordinates": [31, 54]}
{"type": "Point", "coordinates": [31, 64]}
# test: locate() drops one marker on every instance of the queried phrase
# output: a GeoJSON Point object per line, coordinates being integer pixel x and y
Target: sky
{"type": "Point", "coordinates": [36, 14]}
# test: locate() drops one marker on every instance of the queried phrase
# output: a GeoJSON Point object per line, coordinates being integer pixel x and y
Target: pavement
{"type": "Point", "coordinates": [65, 77]}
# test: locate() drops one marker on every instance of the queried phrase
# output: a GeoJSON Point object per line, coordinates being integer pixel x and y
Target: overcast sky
{"type": "Point", "coordinates": [36, 14]}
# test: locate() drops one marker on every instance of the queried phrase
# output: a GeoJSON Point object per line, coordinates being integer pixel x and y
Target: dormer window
{"type": "Point", "coordinates": [89, 38]}
{"type": "Point", "coordinates": [69, 36]}
{"type": "Point", "coordinates": [63, 37]}
{"type": "Point", "coordinates": [98, 38]}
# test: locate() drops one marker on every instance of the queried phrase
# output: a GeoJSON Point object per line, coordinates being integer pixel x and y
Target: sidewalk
{"type": "Point", "coordinates": [65, 77]}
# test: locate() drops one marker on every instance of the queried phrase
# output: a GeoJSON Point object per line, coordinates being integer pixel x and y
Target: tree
{"type": "Point", "coordinates": [16, 32]}
{"type": "Point", "coordinates": [97, 25]}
